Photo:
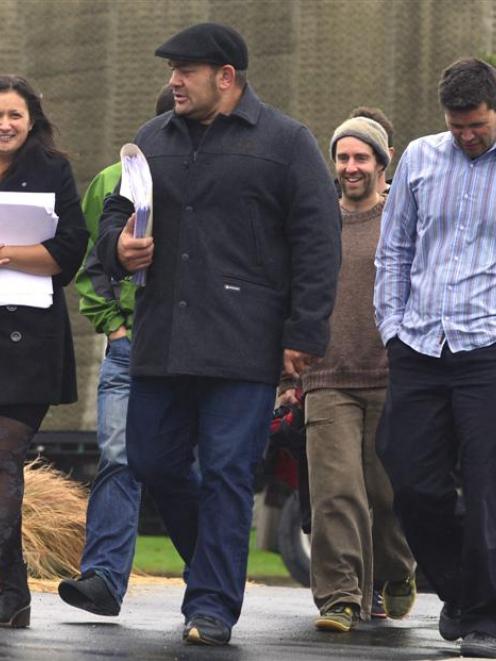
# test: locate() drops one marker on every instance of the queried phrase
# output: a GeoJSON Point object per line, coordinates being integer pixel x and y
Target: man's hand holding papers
{"type": "Point", "coordinates": [136, 184]}
{"type": "Point", "coordinates": [134, 253]}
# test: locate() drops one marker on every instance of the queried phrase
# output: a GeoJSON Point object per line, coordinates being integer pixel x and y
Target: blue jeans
{"type": "Point", "coordinates": [113, 507]}
{"type": "Point", "coordinates": [209, 523]}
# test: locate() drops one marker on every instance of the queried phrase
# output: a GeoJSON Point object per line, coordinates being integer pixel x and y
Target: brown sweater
{"type": "Point", "coordinates": [355, 357]}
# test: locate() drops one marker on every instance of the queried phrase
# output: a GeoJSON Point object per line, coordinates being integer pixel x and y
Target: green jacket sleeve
{"type": "Point", "coordinates": [107, 304]}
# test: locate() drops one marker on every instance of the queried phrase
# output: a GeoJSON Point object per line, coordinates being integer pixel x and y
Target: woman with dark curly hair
{"type": "Point", "coordinates": [37, 366]}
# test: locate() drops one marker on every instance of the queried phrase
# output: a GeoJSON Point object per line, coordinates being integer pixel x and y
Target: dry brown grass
{"type": "Point", "coordinates": [53, 521]}
{"type": "Point", "coordinates": [136, 583]}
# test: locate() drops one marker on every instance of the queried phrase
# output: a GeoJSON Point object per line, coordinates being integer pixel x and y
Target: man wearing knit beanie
{"type": "Point", "coordinates": [381, 118]}
{"type": "Point", "coordinates": [344, 396]}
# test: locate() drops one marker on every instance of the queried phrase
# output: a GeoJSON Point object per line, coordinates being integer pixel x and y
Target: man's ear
{"type": "Point", "coordinates": [392, 153]}
{"type": "Point", "coordinates": [226, 76]}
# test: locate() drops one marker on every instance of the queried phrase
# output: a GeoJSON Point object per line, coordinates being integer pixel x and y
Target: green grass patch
{"type": "Point", "coordinates": [156, 555]}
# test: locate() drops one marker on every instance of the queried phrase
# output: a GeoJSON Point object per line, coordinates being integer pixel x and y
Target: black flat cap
{"type": "Point", "coordinates": [207, 42]}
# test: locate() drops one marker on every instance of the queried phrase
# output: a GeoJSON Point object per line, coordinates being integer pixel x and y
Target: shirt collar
{"type": "Point", "coordinates": [457, 146]}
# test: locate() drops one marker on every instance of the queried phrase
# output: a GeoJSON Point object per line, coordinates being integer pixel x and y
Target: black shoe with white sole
{"type": "Point", "coordinates": [206, 630]}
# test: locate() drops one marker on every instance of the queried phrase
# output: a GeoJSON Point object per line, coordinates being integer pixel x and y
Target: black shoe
{"type": "Point", "coordinates": [481, 645]}
{"type": "Point", "coordinates": [205, 630]}
{"type": "Point", "coordinates": [449, 622]}
{"type": "Point", "coordinates": [15, 599]}
{"type": "Point", "coordinates": [89, 592]}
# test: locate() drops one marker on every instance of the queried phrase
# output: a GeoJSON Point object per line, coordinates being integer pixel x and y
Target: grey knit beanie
{"type": "Point", "coordinates": [368, 131]}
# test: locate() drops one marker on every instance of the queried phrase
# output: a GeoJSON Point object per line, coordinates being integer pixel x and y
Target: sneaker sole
{"type": "Point", "coordinates": [398, 615]}
{"type": "Point", "coordinates": [378, 616]}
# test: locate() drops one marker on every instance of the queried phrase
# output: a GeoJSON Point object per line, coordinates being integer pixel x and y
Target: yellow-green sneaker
{"type": "Point", "coordinates": [399, 597]}
{"type": "Point", "coordinates": [340, 617]}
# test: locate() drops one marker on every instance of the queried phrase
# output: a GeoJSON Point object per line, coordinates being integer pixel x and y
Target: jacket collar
{"type": "Point", "coordinates": [248, 109]}
{"type": "Point", "coordinates": [249, 106]}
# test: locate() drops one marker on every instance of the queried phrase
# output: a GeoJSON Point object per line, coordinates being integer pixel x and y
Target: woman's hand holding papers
{"type": "Point", "coordinates": [34, 259]}
{"type": "Point", "coordinates": [134, 254]}
{"type": "Point", "coordinates": [3, 260]}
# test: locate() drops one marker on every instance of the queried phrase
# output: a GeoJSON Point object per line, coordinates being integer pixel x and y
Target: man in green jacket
{"type": "Point", "coordinates": [113, 507]}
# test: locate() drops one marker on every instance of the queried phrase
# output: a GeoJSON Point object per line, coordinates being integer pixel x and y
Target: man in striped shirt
{"type": "Point", "coordinates": [435, 300]}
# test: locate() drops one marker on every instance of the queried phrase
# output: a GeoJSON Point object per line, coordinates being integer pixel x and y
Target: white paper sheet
{"type": "Point", "coordinates": [26, 219]}
{"type": "Point", "coordinates": [137, 185]}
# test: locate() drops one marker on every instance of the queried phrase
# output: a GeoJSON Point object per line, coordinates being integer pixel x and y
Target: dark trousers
{"type": "Point", "coordinates": [209, 523]}
{"type": "Point", "coordinates": [439, 409]}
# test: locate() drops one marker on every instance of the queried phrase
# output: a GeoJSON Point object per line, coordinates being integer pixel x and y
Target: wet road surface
{"type": "Point", "coordinates": [276, 625]}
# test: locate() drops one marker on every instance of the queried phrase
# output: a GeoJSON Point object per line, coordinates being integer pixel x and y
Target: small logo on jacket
{"type": "Point", "coordinates": [232, 287]}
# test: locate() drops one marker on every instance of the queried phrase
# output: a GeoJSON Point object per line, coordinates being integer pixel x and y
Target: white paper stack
{"type": "Point", "coordinates": [26, 219]}
{"type": "Point", "coordinates": [136, 185]}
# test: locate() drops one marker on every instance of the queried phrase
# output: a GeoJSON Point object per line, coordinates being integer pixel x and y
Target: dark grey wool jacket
{"type": "Point", "coordinates": [247, 246]}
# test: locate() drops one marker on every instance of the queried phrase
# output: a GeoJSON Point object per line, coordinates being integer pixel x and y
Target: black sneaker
{"type": "Point", "coordinates": [481, 645]}
{"type": "Point", "coordinates": [206, 630]}
{"type": "Point", "coordinates": [449, 622]}
{"type": "Point", "coordinates": [89, 592]}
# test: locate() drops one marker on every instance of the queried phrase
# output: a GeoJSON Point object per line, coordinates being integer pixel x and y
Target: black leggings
{"type": "Point", "coordinates": [17, 427]}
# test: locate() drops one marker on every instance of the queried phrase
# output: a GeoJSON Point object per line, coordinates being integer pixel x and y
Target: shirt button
{"type": "Point", "coordinates": [16, 336]}
{"type": "Point", "coordinates": [24, 184]}
{"type": "Point", "coordinates": [182, 304]}
{"type": "Point", "coordinates": [456, 258]}
{"type": "Point", "coordinates": [466, 196]}
{"type": "Point", "coordinates": [185, 256]}
{"type": "Point", "coordinates": [462, 227]}
{"type": "Point", "coordinates": [11, 308]}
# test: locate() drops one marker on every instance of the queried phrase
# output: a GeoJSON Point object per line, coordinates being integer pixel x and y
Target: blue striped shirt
{"type": "Point", "coordinates": [436, 258]}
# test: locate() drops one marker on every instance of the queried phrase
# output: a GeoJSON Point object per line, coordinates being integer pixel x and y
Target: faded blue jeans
{"type": "Point", "coordinates": [113, 507]}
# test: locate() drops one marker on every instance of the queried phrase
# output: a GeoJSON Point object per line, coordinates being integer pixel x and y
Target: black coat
{"type": "Point", "coordinates": [247, 246]}
{"type": "Point", "coordinates": [36, 353]}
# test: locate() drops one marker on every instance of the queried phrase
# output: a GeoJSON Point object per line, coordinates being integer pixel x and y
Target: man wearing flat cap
{"type": "Point", "coordinates": [242, 270]}
{"type": "Point", "coordinates": [355, 534]}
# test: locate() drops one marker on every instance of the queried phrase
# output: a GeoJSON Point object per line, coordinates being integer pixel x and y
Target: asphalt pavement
{"type": "Point", "coordinates": [276, 625]}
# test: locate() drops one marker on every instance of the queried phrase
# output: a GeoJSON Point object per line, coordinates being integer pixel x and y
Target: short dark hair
{"type": "Point", "coordinates": [241, 78]}
{"type": "Point", "coordinates": [240, 75]}
{"type": "Point", "coordinates": [467, 83]}
{"type": "Point", "coordinates": [378, 116]}
{"type": "Point", "coordinates": [42, 131]}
